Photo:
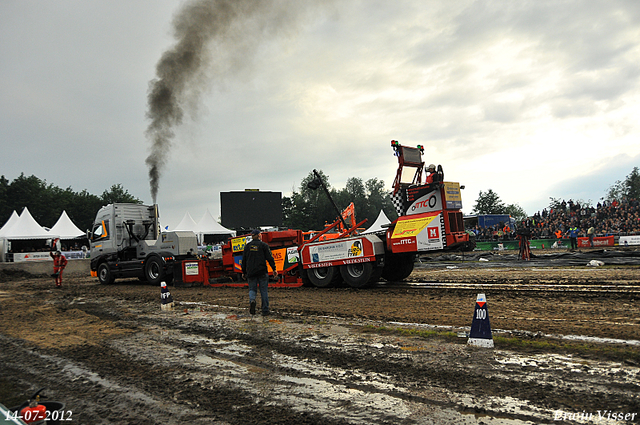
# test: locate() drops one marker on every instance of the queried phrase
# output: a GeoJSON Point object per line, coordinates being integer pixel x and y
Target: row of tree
{"type": "Point", "coordinates": [305, 209]}
{"type": "Point", "coordinates": [490, 203]}
{"type": "Point", "coordinates": [311, 209]}
{"type": "Point", "coordinates": [47, 201]}
{"type": "Point", "coordinates": [629, 188]}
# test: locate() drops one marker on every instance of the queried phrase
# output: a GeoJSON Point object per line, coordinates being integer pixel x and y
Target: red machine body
{"type": "Point", "coordinates": [429, 219]}
{"type": "Point", "coordinates": [429, 215]}
{"type": "Point", "coordinates": [227, 270]}
{"type": "Point", "coordinates": [31, 414]}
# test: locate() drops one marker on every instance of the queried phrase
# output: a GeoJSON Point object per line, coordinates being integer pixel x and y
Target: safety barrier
{"type": "Point", "coordinates": [562, 243]}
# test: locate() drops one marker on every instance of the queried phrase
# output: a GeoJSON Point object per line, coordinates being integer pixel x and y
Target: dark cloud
{"type": "Point", "coordinates": [289, 86]}
{"type": "Point", "coordinates": [215, 40]}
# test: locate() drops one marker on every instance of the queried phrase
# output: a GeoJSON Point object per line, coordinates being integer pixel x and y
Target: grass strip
{"type": "Point", "coordinates": [617, 352]}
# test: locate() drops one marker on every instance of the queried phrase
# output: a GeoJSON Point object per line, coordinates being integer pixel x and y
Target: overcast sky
{"type": "Point", "coordinates": [532, 99]}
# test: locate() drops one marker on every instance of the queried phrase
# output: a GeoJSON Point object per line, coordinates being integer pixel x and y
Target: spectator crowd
{"type": "Point", "coordinates": [607, 219]}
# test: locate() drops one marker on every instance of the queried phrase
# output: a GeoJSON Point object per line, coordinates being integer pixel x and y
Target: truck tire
{"type": "Point", "coordinates": [398, 267]}
{"type": "Point", "coordinates": [358, 275]}
{"type": "Point", "coordinates": [470, 245]}
{"type": "Point", "coordinates": [324, 277]}
{"type": "Point", "coordinates": [105, 276]}
{"type": "Point", "coordinates": [154, 270]}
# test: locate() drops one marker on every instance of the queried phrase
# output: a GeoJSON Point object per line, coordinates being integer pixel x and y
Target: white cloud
{"type": "Point", "coordinates": [518, 97]}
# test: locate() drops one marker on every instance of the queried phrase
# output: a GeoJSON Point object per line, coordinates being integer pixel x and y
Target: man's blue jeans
{"type": "Point", "coordinates": [260, 282]}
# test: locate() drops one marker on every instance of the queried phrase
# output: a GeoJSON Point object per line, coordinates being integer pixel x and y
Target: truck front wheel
{"type": "Point", "coordinates": [153, 270]}
{"type": "Point", "coordinates": [398, 266]}
{"type": "Point", "coordinates": [105, 276]}
{"type": "Point", "coordinates": [323, 277]}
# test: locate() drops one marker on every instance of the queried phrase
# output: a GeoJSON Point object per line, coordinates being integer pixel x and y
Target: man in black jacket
{"type": "Point", "coordinates": [254, 269]}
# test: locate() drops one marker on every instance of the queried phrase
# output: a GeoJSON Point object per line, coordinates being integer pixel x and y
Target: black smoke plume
{"type": "Point", "coordinates": [214, 40]}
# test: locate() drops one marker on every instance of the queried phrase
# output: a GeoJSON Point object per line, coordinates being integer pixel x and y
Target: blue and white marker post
{"type": "Point", "coordinates": [480, 334]}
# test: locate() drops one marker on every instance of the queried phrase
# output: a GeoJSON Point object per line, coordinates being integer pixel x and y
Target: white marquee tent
{"type": "Point", "coordinates": [6, 228]}
{"type": "Point", "coordinates": [377, 225]}
{"type": "Point", "coordinates": [26, 227]}
{"type": "Point", "coordinates": [24, 231]}
{"type": "Point", "coordinates": [65, 228]}
{"type": "Point", "coordinates": [209, 226]}
{"type": "Point", "coordinates": [187, 223]}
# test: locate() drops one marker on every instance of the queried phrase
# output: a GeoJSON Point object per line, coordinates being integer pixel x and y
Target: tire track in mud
{"type": "Point", "coordinates": [480, 377]}
{"type": "Point", "coordinates": [464, 384]}
{"type": "Point", "coordinates": [207, 362]}
{"type": "Point", "coordinates": [182, 384]}
{"type": "Point", "coordinates": [91, 396]}
{"type": "Point", "coordinates": [126, 390]}
{"type": "Point", "coordinates": [257, 362]}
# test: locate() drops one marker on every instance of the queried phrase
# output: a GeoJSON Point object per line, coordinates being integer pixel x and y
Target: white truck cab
{"type": "Point", "coordinates": [126, 242]}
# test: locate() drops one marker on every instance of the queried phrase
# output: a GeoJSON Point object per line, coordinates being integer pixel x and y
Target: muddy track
{"type": "Point", "coordinates": [330, 356]}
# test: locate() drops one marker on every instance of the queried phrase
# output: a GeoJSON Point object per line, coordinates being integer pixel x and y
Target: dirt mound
{"type": "Point", "coordinates": [7, 275]}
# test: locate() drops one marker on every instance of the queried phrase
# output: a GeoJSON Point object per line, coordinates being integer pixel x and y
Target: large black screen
{"type": "Point", "coordinates": [250, 209]}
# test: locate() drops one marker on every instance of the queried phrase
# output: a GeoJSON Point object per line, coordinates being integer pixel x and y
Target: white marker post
{"type": "Point", "coordinates": [165, 297]}
{"type": "Point", "coordinates": [480, 334]}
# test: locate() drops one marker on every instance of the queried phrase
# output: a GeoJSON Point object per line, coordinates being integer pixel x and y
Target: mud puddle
{"type": "Point", "coordinates": [330, 357]}
{"type": "Point", "coordinates": [213, 349]}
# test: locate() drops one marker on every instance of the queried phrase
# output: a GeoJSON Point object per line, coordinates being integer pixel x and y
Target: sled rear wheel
{"type": "Point", "coordinates": [324, 277]}
{"type": "Point", "coordinates": [358, 275]}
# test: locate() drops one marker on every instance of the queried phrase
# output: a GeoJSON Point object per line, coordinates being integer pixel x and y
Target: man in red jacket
{"type": "Point", "coordinates": [59, 263]}
{"type": "Point", "coordinates": [431, 169]}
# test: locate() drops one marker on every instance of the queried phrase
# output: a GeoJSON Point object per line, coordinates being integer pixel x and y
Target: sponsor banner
{"type": "Point", "coordinates": [214, 251]}
{"type": "Point", "coordinates": [279, 255]}
{"type": "Point", "coordinates": [409, 244]}
{"type": "Point", "coordinates": [537, 244]}
{"type": "Point", "coordinates": [629, 240]}
{"type": "Point", "coordinates": [351, 248]}
{"type": "Point", "coordinates": [283, 257]}
{"type": "Point", "coordinates": [411, 227]}
{"type": "Point", "coordinates": [430, 202]}
{"type": "Point", "coordinates": [418, 234]}
{"type": "Point", "coordinates": [237, 244]}
{"type": "Point", "coordinates": [76, 255]}
{"type": "Point", "coordinates": [548, 243]}
{"type": "Point", "coordinates": [340, 262]}
{"type": "Point", "coordinates": [237, 263]}
{"type": "Point", "coordinates": [191, 268]}
{"type": "Point", "coordinates": [452, 196]}
{"type": "Point", "coordinates": [44, 256]}
{"type": "Point", "coordinates": [432, 236]}
{"type": "Point", "coordinates": [292, 257]}
{"type": "Point", "coordinates": [597, 241]}
{"type": "Point", "coordinates": [515, 244]}
{"type": "Point", "coordinates": [31, 256]}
